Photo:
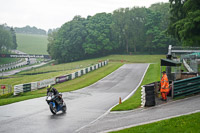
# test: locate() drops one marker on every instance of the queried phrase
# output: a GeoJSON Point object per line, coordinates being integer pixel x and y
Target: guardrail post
{"type": "Point", "coordinates": [172, 89]}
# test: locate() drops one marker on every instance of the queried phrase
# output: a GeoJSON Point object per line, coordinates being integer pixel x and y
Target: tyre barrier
{"type": "Point", "coordinates": [44, 83]}
{"type": "Point", "coordinates": [148, 96]}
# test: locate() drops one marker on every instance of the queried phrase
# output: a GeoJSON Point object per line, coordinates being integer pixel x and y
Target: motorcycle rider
{"type": "Point", "coordinates": [59, 99]}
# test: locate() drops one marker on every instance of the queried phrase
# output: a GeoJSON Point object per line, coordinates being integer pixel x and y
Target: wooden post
{"type": "Point", "coordinates": [120, 100]}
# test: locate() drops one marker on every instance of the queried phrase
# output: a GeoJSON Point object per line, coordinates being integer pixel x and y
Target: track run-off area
{"type": "Point", "coordinates": [88, 108]}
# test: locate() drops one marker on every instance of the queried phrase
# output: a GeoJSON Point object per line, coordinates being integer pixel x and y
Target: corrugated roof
{"type": "Point", "coordinates": [167, 62]}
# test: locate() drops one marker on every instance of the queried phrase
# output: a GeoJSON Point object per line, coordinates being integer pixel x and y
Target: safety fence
{"type": "Point", "coordinates": [5, 89]}
{"type": "Point", "coordinates": [44, 83]}
{"type": "Point", "coordinates": [185, 87]}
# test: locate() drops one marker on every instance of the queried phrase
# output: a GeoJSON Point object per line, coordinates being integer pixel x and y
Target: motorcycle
{"type": "Point", "coordinates": [53, 105]}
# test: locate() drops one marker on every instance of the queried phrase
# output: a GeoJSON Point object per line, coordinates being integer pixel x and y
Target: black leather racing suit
{"type": "Point", "coordinates": [59, 99]}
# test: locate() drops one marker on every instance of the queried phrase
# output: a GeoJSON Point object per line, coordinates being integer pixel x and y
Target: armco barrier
{"type": "Point", "coordinates": [76, 74]}
{"type": "Point", "coordinates": [186, 87]}
{"type": "Point", "coordinates": [99, 65]}
{"type": "Point", "coordinates": [70, 76]}
{"type": "Point", "coordinates": [26, 87]}
{"type": "Point", "coordinates": [44, 83]}
{"type": "Point", "coordinates": [82, 73]}
{"type": "Point", "coordinates": [86, 70]}
{"type": "Point", "coordinates": [18, 89]}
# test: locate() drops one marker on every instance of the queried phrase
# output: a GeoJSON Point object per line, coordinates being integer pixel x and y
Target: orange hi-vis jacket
{"type": "Point", "coordinates": [164, 84]}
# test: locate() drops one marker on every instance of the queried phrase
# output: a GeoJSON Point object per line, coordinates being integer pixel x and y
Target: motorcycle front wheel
{"type": "Point", "coordinates": [53, 110]}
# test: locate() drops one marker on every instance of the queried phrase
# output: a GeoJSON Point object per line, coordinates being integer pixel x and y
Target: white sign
{"type": "Point", "coordinates": [73, 75]}
{"type": "Point", "coordinates": [33, 86]}
{"type": "Point", "coordinates": [45, 83]}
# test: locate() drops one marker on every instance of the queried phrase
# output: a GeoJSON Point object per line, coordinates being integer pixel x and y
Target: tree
{"type": "Point", "coordinates": [185, 21]}
{"type": "Point", "coordinates": [30, 30]}
{"type": "Point", "coordinates": [157, 24]}
{"type": "Point", "coordinates": [137, 30]}
{"type": "Point", "coordinates": [118, 30]}
{"type": "Point", "coordinates": [98, 39]}
{"type": "Point", "coordinates": [14, 44]}
{"type": "Point", "coordinates": [66, 44]}
{"type": "Point", "coordinates": [6, 41]}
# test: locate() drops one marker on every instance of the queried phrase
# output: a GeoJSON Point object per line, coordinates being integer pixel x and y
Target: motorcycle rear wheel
{"type": "Point", "coordinates": [64, 108]}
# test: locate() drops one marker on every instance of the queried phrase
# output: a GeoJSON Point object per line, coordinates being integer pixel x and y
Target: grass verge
{"type": "Point", "coordinates": [71, 85]}
{"type": "Point", "coordinates": [183, 124]}
{"type": "Point", "coordinates": [152, 75]}
{"type": "Point", "coordinates": [7, 60]}
{"type": "Point", "coordinates": [32, 44]}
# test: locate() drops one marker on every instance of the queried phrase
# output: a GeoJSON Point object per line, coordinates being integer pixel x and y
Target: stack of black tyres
{"type": "Point", "coordinates": [149, 95]}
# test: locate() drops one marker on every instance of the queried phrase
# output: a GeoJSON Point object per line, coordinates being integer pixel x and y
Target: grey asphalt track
{"type": "Point", "coordinates": [115, 121]}
{"type": "Point", "coordinates": [84, 106]}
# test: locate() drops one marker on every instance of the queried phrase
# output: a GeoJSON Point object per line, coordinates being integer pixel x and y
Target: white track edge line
{"type": "Point", "coordinates": [102, 114]}
{"type": "Point", "coordinates": [117, 103]}
{"type": "Point", "coordinates": [152, 121]}
{"type": "Point", "coordinates": [136, 86]}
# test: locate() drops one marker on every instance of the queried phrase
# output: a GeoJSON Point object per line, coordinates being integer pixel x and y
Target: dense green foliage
{"type": "Point", "coordinates": [30, 30]}
{"type": "Point", "coordinates": [7, 39]}
{"type": "Point", "coordinates": [32, 44]}
{"type": "Point", "coordinates": [185, 21]}
{"type": "Point", "coordinates": [125, 31]}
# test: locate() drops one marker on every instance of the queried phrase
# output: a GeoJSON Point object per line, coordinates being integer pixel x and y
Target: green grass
{"type": "Point", "coordinates": [152, 75]}
{"type": "Point", "coordinates": [32, 44]}
{"type": "Point", "coordinates": [135, 58]}
{"type": "Point", "coordinates": [183, 124]}
{"type": "Point", "coordinates": [66, 86]}
{"type": "Point", "coordinates": [7, 60]}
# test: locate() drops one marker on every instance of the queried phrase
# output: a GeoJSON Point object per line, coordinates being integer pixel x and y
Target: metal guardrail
{"type": "Point", "coordinates": [185, 87]}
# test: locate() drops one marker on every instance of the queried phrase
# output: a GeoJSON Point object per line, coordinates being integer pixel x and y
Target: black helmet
{"type": "Point", "coordinates": [164, 72]}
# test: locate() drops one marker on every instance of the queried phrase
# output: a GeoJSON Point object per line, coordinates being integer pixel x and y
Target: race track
{"type": "Point", "coordinates": [84, 106]}
{"type": "Point", "coordinates": [115, 121]}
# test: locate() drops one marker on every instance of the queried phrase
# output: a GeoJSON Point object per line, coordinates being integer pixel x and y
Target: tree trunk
{"type": "Point", "coordinates": [135, 48]}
